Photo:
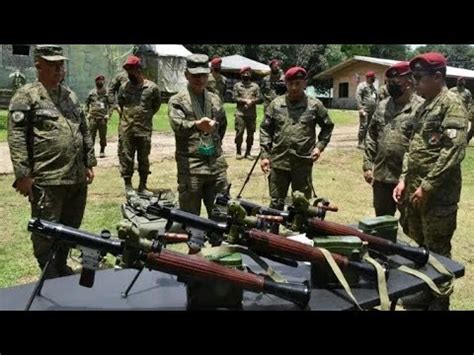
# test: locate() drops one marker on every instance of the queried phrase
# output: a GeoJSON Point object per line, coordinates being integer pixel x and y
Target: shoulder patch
{"type": "Point", "coordinates": [451, 133]}
{"type": "Point", "coordinates": [18, 116]}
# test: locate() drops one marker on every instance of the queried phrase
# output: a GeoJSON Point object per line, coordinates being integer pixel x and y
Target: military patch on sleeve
{"type": "Point", "coordinates": [451, 133]}
{"type": "Point", "coordinates": [18, 116]}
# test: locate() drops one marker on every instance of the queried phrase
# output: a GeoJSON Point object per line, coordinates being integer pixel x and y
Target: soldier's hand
{"type": "Point", "coordinates": [24, 186]}
{"type": "Point", "coordinates": [418, 197]}
{"type": "Point", "coordinates": [362, 112]}
{"type": "Point", "coordinates": [315, 154]}
{"type": "Point", "coordinates": [205, 124]}
{"type": "Point", "coordinates": [265, 165]}
{"type": "Point", "coordinates": [89, 175]}
{"type": "Point", "coordinates": [368, 176]}
{"type": "Point", "coordinates": [398, 191]}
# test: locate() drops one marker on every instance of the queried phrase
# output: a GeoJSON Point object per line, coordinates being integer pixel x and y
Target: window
{"type": "Point", "coordinates": [20, 50]}
{"type": "Point", "coordinates": [343, 89]}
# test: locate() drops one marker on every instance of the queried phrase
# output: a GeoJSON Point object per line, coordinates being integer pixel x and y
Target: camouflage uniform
{"type": "Point", "coordinates": [287, 138]}
{"type": "Point", "coordinates": [382, 92]}
{"type": "Point", "coordinates": [200, 177]}
{"type": "Point", "coordinates": [49, 141]}
{"type": "Point", "coordinates": [114, 86]}
{"type": "Point", "coordinates": [217, 85]}
{"type": "Point", "coordinates": [245, 118]}
{"type": "Point", "coordinates": [433, 162]}
{"type": "Point", "coordinates": [466, 97]}
{"type": "Point", "coordinates": [272, 86]}
{"type": "Point", "coordinates": [18, 80]}
{"type": "Point", "coordinates": [387, 140]}
{"type": "Point", "coordinates": [367, 99]}
{"type": "Point", "coordinates": [138, 105]}
{"type": "Point", "coordinates": [97, 112]}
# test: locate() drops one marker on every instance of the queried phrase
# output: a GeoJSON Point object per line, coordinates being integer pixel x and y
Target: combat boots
{"type": "Point", "coordinates": [102, 152]}
{"type": "Point", "coordinates": [128, 185]}
{"type": "Point", "coordinates": [239, 153]}
{"type": "Point", "coordinates": [142, 186]}
{"type": "Point", "coordinates": [247, 154]}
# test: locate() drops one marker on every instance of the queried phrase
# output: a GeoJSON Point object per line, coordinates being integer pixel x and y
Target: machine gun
{"type": "Point", "coordinates": [139, 253]}
{"type": "Point", "coordinates": [302, 217]}
{"type": "Point", "coordinates": [244, 230]}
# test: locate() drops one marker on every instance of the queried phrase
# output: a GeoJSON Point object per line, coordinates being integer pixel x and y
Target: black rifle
{"type": "Point", "coordinates": [139, 253]}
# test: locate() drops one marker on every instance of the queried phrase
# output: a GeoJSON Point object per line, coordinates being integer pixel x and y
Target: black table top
{"type": "Point", "coordinates": [159, 291]}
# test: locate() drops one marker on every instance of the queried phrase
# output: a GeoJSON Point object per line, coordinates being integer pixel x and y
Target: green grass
{"type": "Point", "coordinates": [337, 176]}
{"type": "Point", "coordinates": [3, 125]}
{"type": "Point", "coordinates": [161, 121]}
{"type": "Point", "coordinates": [344, 117]}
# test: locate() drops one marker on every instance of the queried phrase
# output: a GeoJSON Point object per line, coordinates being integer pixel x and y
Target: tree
{"type": "Point", "coordinates": [389, 51]}
{"type": "Point", "coordinates": [457, 55]}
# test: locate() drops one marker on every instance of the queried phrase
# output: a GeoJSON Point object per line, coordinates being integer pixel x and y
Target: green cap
{"type": "Point", "coordinates": [49, 52]}
{"type": "Point", "coordinates": [198, 64]}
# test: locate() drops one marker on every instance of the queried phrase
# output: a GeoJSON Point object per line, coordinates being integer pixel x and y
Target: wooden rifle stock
{"type": "Point", "coordinates": [197, 267]}
{"type": "Point", "coordinates": [278, 245]}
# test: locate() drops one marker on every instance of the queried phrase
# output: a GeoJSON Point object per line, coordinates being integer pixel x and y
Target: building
{"type": "Point", "coordinates": [347, 75]}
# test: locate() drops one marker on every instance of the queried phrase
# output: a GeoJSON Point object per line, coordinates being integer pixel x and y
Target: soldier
{"type": "Point", "coordinates": [430, 183]}
{"type": "Point", "coordinates": [382, 92]}
{"type": "Point", "coordinates": [18, 80]}
{"type": "Point", "coordinates": [199, 123]}
{"type": "Point", "coordinates": [463, 92]}
{"type": "Point", "coordinates": [388, 136]}
{"type": "Point", "coordinates": [52, 153]}
{"type": "Point", "coordinates": [139, 99]}
{"type": "Point", "coordinates": [273, 85]}
{"type": "Point", "coordinates": [366, 103]}
{"type": "Point", "coordinates": [288, 138]}
{"type": "Point", "coordinates": [98, 112]}
{"type": "Point", "coordinates": [217, 82]}
{"type": "Point", "coordinates": [247, 96]}
{"type": "Point", "coordinates": [466, 97]}
{"type": "Point", "coordinates": [114, 86]}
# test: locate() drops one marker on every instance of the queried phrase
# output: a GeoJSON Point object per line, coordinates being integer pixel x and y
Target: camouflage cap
{"type": "Point", "coordinates": [49, 52]}
{"type": "Point", "coordinates": [198, 64]}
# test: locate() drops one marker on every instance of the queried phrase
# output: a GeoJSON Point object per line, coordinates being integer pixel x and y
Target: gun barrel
{"type": "Point", "coordinates": [75, 236]}
{"type": "Point", "coordinates": [281, 246]}
{"type": "Point", "coordinates": [250, 207]}
{"type": "Point", "coordinates": [418, 255]}
{"type": "Point", "coordinates": [188, 219]}
{"type": "Point", "coordinates": [197, 267]}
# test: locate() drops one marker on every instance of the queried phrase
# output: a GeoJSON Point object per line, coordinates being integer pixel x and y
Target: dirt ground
{"type": "Point", "coordinates": [163, 147]}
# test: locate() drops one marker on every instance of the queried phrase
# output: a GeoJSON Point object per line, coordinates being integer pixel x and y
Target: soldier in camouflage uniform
{"type": "Point", "coordinates": [431, 179]}
{"type": "Point", "coordinates": [18, 80]}
{"type": "Point", "coordinates": [113, 89]}
{"type": "Point", "coordinates": [288, 138]}
{"type": "Point", "coordinates": [382, 92]}
{"type": "Point", "coordinates": [199, 123]}
{"type": "Point", "coordinates": [247, 96]}
{"type": "Point", "coordinates": [98, 112]}
{"type": "Point", "coordinates": [273, 85]}
{"type": "Point", "coordinates": [387, 140]}
{"type": "Point", "coordinates": [139, 99]}
{"type": "Point", "coordinates": [51, 152]}
{"type": "Point", "coordinates": [217, 82]}
{"type": "Point", "coordinates": [367, 99]}
{"type": "Point", "coordinates": [466, 96]}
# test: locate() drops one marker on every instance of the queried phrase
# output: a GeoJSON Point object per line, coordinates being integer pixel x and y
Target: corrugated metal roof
{"type": "Point", "coordinates": [450, 71]}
